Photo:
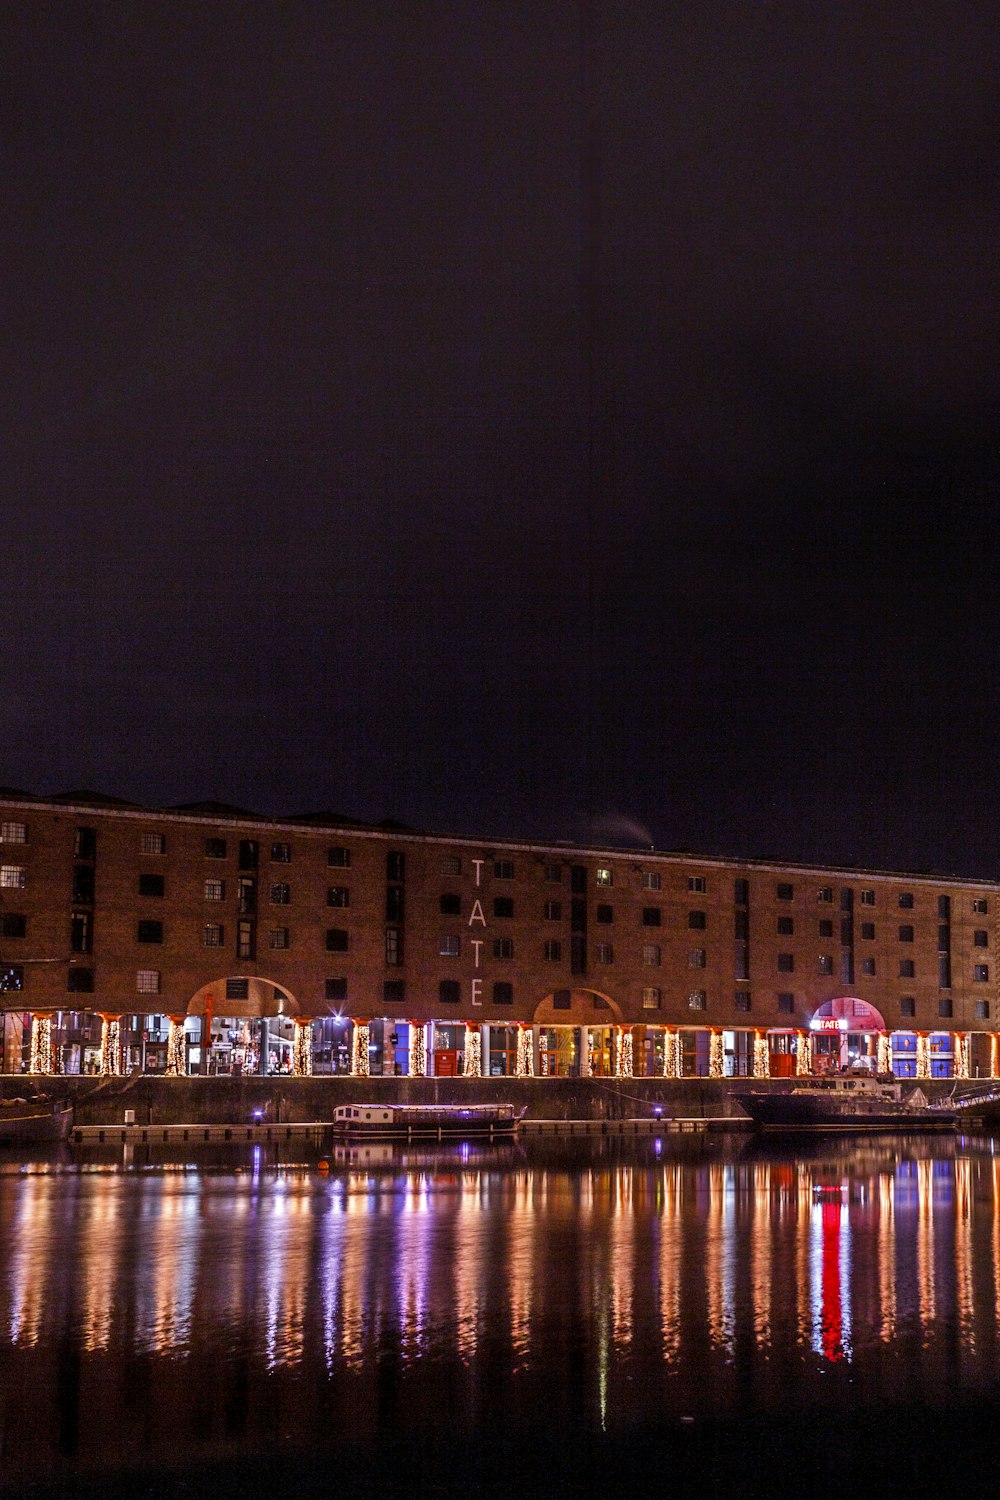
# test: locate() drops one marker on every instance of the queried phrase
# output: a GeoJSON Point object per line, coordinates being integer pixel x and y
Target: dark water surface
{"type": "Point", "coordinates": [555, 1318]}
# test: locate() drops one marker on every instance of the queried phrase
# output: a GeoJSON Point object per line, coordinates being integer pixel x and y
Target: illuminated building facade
{"type": "Point", "coordinates": [209, 939]}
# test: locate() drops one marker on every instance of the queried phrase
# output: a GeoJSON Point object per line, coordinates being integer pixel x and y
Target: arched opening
{"type": "Point", "coordinates": [845, 1033]}
{"type": "Point", "coordinates": [576, 1033]}
{"type": "Point", "coordinates": [240, 1025]}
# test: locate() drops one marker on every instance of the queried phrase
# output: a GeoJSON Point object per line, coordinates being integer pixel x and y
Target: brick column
{"type": "Point", "coordinates": [416, 1061]}
{"type": "Point", "coordinates": [302, 1051]}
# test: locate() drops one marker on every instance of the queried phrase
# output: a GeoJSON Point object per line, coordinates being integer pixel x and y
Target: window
{"type": "Point", "coordinates": [246, 943]}
{"type": "Point", "coordinates": [503, 869]}
{"type": "Point", "coordinates": [13, 833]}
{"type": "Point", "coordinates": [981, 973]}
{"type": "Point", "coordinates": [786, 926]}
{"type": "Point", "coordinates": [868, 968]}
{"type": "Point", "coordinates": [696, 920]}
{"type": "Point", "coordinates": [214, 935]}
{"type": "Point", "coordinates": [149, 932]}
{"type": "Point", "coordinates": [784, 891]}
{"type": "Point", "coordinates": [944, 908]}
{"type": "Point", "coordinates": [825, 893]}
{"type": "Point", "coordinates": [339, 857]}
{"type": "Point", "coordinates": [605, 913]}
{"type": "Point", "coordinates": [741, 892]}
{"type": "Point", "coordinates": [604, 876]}
{"type": "Point", "coordinates": [944, 971]}
{"type": "Point", "coordinates": [697, 1000]}
{"type": "Point", "coordinates": [696, 958]}
{"type": "Point", "coordinates": [449, 991]}
{"type": "Point", "coordinates": [786, 1003]}
{"type": "Point", "coordinates": [944, 1007]}
{"type": "Point", "coordinates": [451, 865]}
{"type": "Point", "coordinates": [394, 991]}
{"type": "Point", "coordinates": [553, 874]}
{"type": "Point", "coordinates": [393, 946]}
{"type": "Point", "coordinates": [982, 1010]}
{"type": "Point", "coordinates": [907, 1005]}
{"type": "Point", "coordinates": [85, 843]}
{"type": "Point", "coordinates": [867, 898]}
{"type": "Point", "coordinates": [604, 953]}
{"type": "Point", "coordinates": [215, 848]}
{"type": "Point", "coordinates": [338, 895]}
{"type": "Point", "coordinates": [215, 890]}
{"type": "Point", "coordinates": [281, 894]}
{"type": "Point", "coordinates": [651, 955]}
{"type": "Point", "coordinates": [147, 981]}
{"type": "Point", "coordinates": [278, 937]}
{"type": "Point", "coordinates": [741, 1000]}
{"type": "Point", "coordinates": [651, 916]}
{"type": "Point", "coordinates": [553, 911]}
{"type": "Point", "coordinates": [11, 977]}
{"type": "Point", "coordinates": [14, 925]}
{"type": "Point", "coordinates": [786, 963]}
{"type": "Point", "coordinates": [83, 884]}
{"type": "Point", "coordinates": [826, 929]}
{"type": "Point", "coordinates": [651, 882]}
{"type": "Point", "coordinates": [906, 933]}
{"type": "Point", "coordinates": [651, 997]}
{"type": "Point", "coordinates": [868, 931]}
{"type": "Point", "coordinates": [394, 903]}
{"type": "Point", "coordinates": [237, 989]}
{"type": "Point", "coordinates": [907, 968]}
{"type": "Point", "coordinates": [503, 992]}
{"type": "Point", "coordinates": [906, 900]}
{"type": "Point", "coordinates": [552, 951]}
{"type": "Point", "coordinates": [451, 904]}
{"type": "Point", "coordinates": [562, 1000]}
{"type": "Point", "coordinates": [151, 843]}
{"type": "Point", "coordinates": [578, 880]}
{"type": "Point", "coordinates": [337, 939]}
{"type": "Point", "coordinates": [503, 906]}
{"type": "Point", "coordinates": [825, 966]}
{"type": "Point", "coordinates": [281, 853]}
{"type": "Point", "coordinates": [395, 865]}
{"type": "Point", "coordinates": [503, 948]}
{"type": "Point", "coordinates": [12, 877]}
{"type": "Point", "coordinates": [697, 885]}
{"type": "Point", "coordinates": [80, 981]}
{"type": "Point", "coordinates": [335, 989]}
{"type": "Point", "coordinates": [451, 946]}
{"type": "Point", "coordinates": [980, 906]}
{"type": "Point", "coordinates": [248, 854]}
{"type": "Point", "coordinates": [980, 938]}
{"type": "Point", "coordinates": [81, 932]}
{"type": "Point", "coordinates": [151, 885]}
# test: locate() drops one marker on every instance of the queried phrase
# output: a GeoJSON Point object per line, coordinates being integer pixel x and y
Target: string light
{"type": "Point", "coordinates": [473, 1052]}
{"type": "Point", "coordinates": [623, 1052]}
{"type": "Point", "coordinates": [883, 1057]}
{"type": "Point", "coordinates": [923, 1055]}
{"type": "Point", "coordinates": [804, 1054]}
{"type": "Point", "coordinates": [716, 1060]}
{"type": "Point", "coordinates": [672, 1054]}
{"type": "Point", "coordinates": [40, 1059]}
{"type": "Point", "coordinates": [523, 1064]}
{"type": "Point", "coordinates": [761, 1056]}
{"type": "Point", "coordinates": [963, 1059]}
{"type": "Point", "coordinates": [418, 1050]}
{"type": "Point", "coordinates": [302, 1050]}
{"type": "Point", "coordinates": [360, 1061]}
{"type": "Point", "coordinates": [175, 1048]}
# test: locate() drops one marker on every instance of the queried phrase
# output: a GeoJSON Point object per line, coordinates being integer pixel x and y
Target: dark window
{"type": "Point", "coordinates": [552, 951]}
{"type": "Point", "coordinates": [825, 963]}
{"type": "Point", "coordinates": [982, 1010]}
{"type": "Point", "coordinates": [846, 898]}
{"type": "Point", "coordinates": [151, 885]}
{"type": "Point", "coordinates": [394, 903]}
{"type": "Point", "coordinates": [553, 874]}
{"type": "Point", "coordinates": [393, 946]}
{"type": "Point", "coordinates": [846, 966]}
{"type": "Point", "coordinates": [867, 898]}
{"type": "Point", "coordinates": [907, 1005]}
{"type": "Point", "coordinates": [503, 948]}
{"type": "Point", "coordinates": [85, 843]}
{"type": "Point", "coordinates": [451, 904]}
{"type": "Point", "coordinates": [578, 879]}
{"type": "Point", "coordinates": [980, 938]}
{"type": "Point", "coordinates": [215, 848]}
{"type": "Point", "coordinates": [237, 989]}
{"type": "Point", "coordinates": [906, 934]}
{"type": "Point", "coordinates": [981, 973]}
{"type": "Point", "coordinates": [785, 892]}
{"type": "Point", "coordinates": [281, 853]}
{"type": "Point", "coordinates": [451, 864]}
{"type": "Point", "coordinates": [826, 928]}
{"type": "Point", "coordinates": [907, 968]}
{"type": "Point", "coordinates": [741, 1000]}
{"type": "Point", "coordinates": [944, 972]}
{"type": "Point", "coordinates": [338, 895]}
{"type": "Point", "coordinates": [786, 963]}
{"type": "Point", "coordinates": [553, 911]}
{"type": "Point", "coordinates": [697, 884]}
{"type": "Point", "coordinates": [81, 932]}
{"type": "Point", "coordinates": [281, 894]}
{"type": "Point", "coordinates": [248, 854]}
{"type": "Point", "coordinates": [578, 915]}
{"type": "Point", "coordinates": [944, 939]}
{"type": "Point", "coordinates": [786, 926]}
{"type": "Point", "coordinates": [868, 931]}
{"type": "Point", "coordinates": [906, 900]}
{"type": "Point", "coordinates": [741, 961]}
{"type": "Point", "coordinates": [336, 939]}
{"type": "Point", "coordinates": [562, 1000]}
{"type": "Point", "coordinates": [944, 908]}
{"type": "Point", "coordinates": [339, 857]}
{"type": "Point", "coordinates": [604, 912]}
{"type": "Point", "coordinates": [80, 981]}
{"type": "Point", "coordinates": [944, 1007]}
{"type": "Point", "coordinates": [336, 989]}
{"type": "Point", "coordinates": [395, 865]}
{"type": "Point", "coordinates": [246, 938]}
{"type": "Point", "coordinates": [503, 869]}
{"type": "Point", "coordinates": [981, 906]}
{"type": "Point", "coordinates": [83, 884]}
{"type": "Point", "coordinates": [696, 919]}
{"type": "Point", "coordinates": [825, 893]}
{"type": "Point", "coordinates": [14, 925]}
{"type": "Point", "coordinates": [149, 932]}
{"type": "Point", "coordinates": [246, 897]}
{"type": "Point", "coordinates": [741, 925]}
{"type": "Point", "coordinates": [868, 968]}
{"type": "Point", "coordinates": [503, 992]}
{"type": "Point", "coordinates": [11, 977]}
{"type": "Point", "coordinates": [394, 991]}
{"type": "Point", "coordinates": [741, 892]}
{"type": "Point", "coordinates": [786, 1003]}
{"type": "Point", "coordinates": [449, 991]}
{"type": "Point", "coordinates": [503, 906]}
{"type": "Point", "coordinates": [577, 954]}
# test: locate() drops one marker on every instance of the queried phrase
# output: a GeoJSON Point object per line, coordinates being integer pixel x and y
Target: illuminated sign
{"type": "Point", "coordinates": [827, 1023]}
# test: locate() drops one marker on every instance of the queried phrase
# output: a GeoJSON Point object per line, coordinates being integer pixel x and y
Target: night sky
{"type": "Point", "coordinates": [510, 417]}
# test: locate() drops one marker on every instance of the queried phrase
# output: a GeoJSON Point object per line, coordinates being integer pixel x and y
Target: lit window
{"type": "Point", "coordinates": [151, 843]}
{"type": "Point", "coordinates": [12, 877]}
{"type": "Point", "coordinates": [147, 981]}
{"type": "Point", "coordinates": [451, 946]}
{"type": "Point", "coordinates": [278, 937]}
{"type": "Point", "coordinates": [651, 882]}
{"type": "Point", "coordinates": [651, 955]}
{"type": "Point", "coordinates": [13, 833]}
{"type": "Point", "coordinates": [215, 890]}
{"type": "Point", "coordinates": [697, 1000]}
{"type": "Point", "coordinates": [604, 877]}
{"type": "Point", "coordinates": [11, 977]}
{"type": "Point", "coordinates": [651, 997]}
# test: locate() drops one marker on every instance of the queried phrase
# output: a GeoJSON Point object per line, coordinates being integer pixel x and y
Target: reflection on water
{"type": "Point", "coordinates": [626, 1281]}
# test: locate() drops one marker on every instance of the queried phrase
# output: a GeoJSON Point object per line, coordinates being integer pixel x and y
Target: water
{"type": "Point", "coordinates": [746, 1318]}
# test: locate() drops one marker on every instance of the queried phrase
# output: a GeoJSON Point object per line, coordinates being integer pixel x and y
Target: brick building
{"type": "Point", "coordinates": [207, 938]}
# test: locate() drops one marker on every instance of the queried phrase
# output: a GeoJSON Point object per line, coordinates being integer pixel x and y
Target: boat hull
{"type": "Point", "coordinates": [421, 1123]}
{"type": "Point", "coordinates": [804, 1112]}
{"type": "Point", "coordinates": [29, 1128]}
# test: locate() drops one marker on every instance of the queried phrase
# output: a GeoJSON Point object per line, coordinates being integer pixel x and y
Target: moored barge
{"type": "Point", "coordinates": [407, 1122]}
{"type": "Point", "coordinates": [845, 1103]}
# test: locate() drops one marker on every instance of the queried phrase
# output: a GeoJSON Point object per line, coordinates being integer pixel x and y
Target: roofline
{"type": "Point", "coordinates": [550, 847]}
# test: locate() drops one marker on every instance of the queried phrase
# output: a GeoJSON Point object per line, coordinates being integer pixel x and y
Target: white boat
{"type": "Point", "coordinates": [407, 1122]}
